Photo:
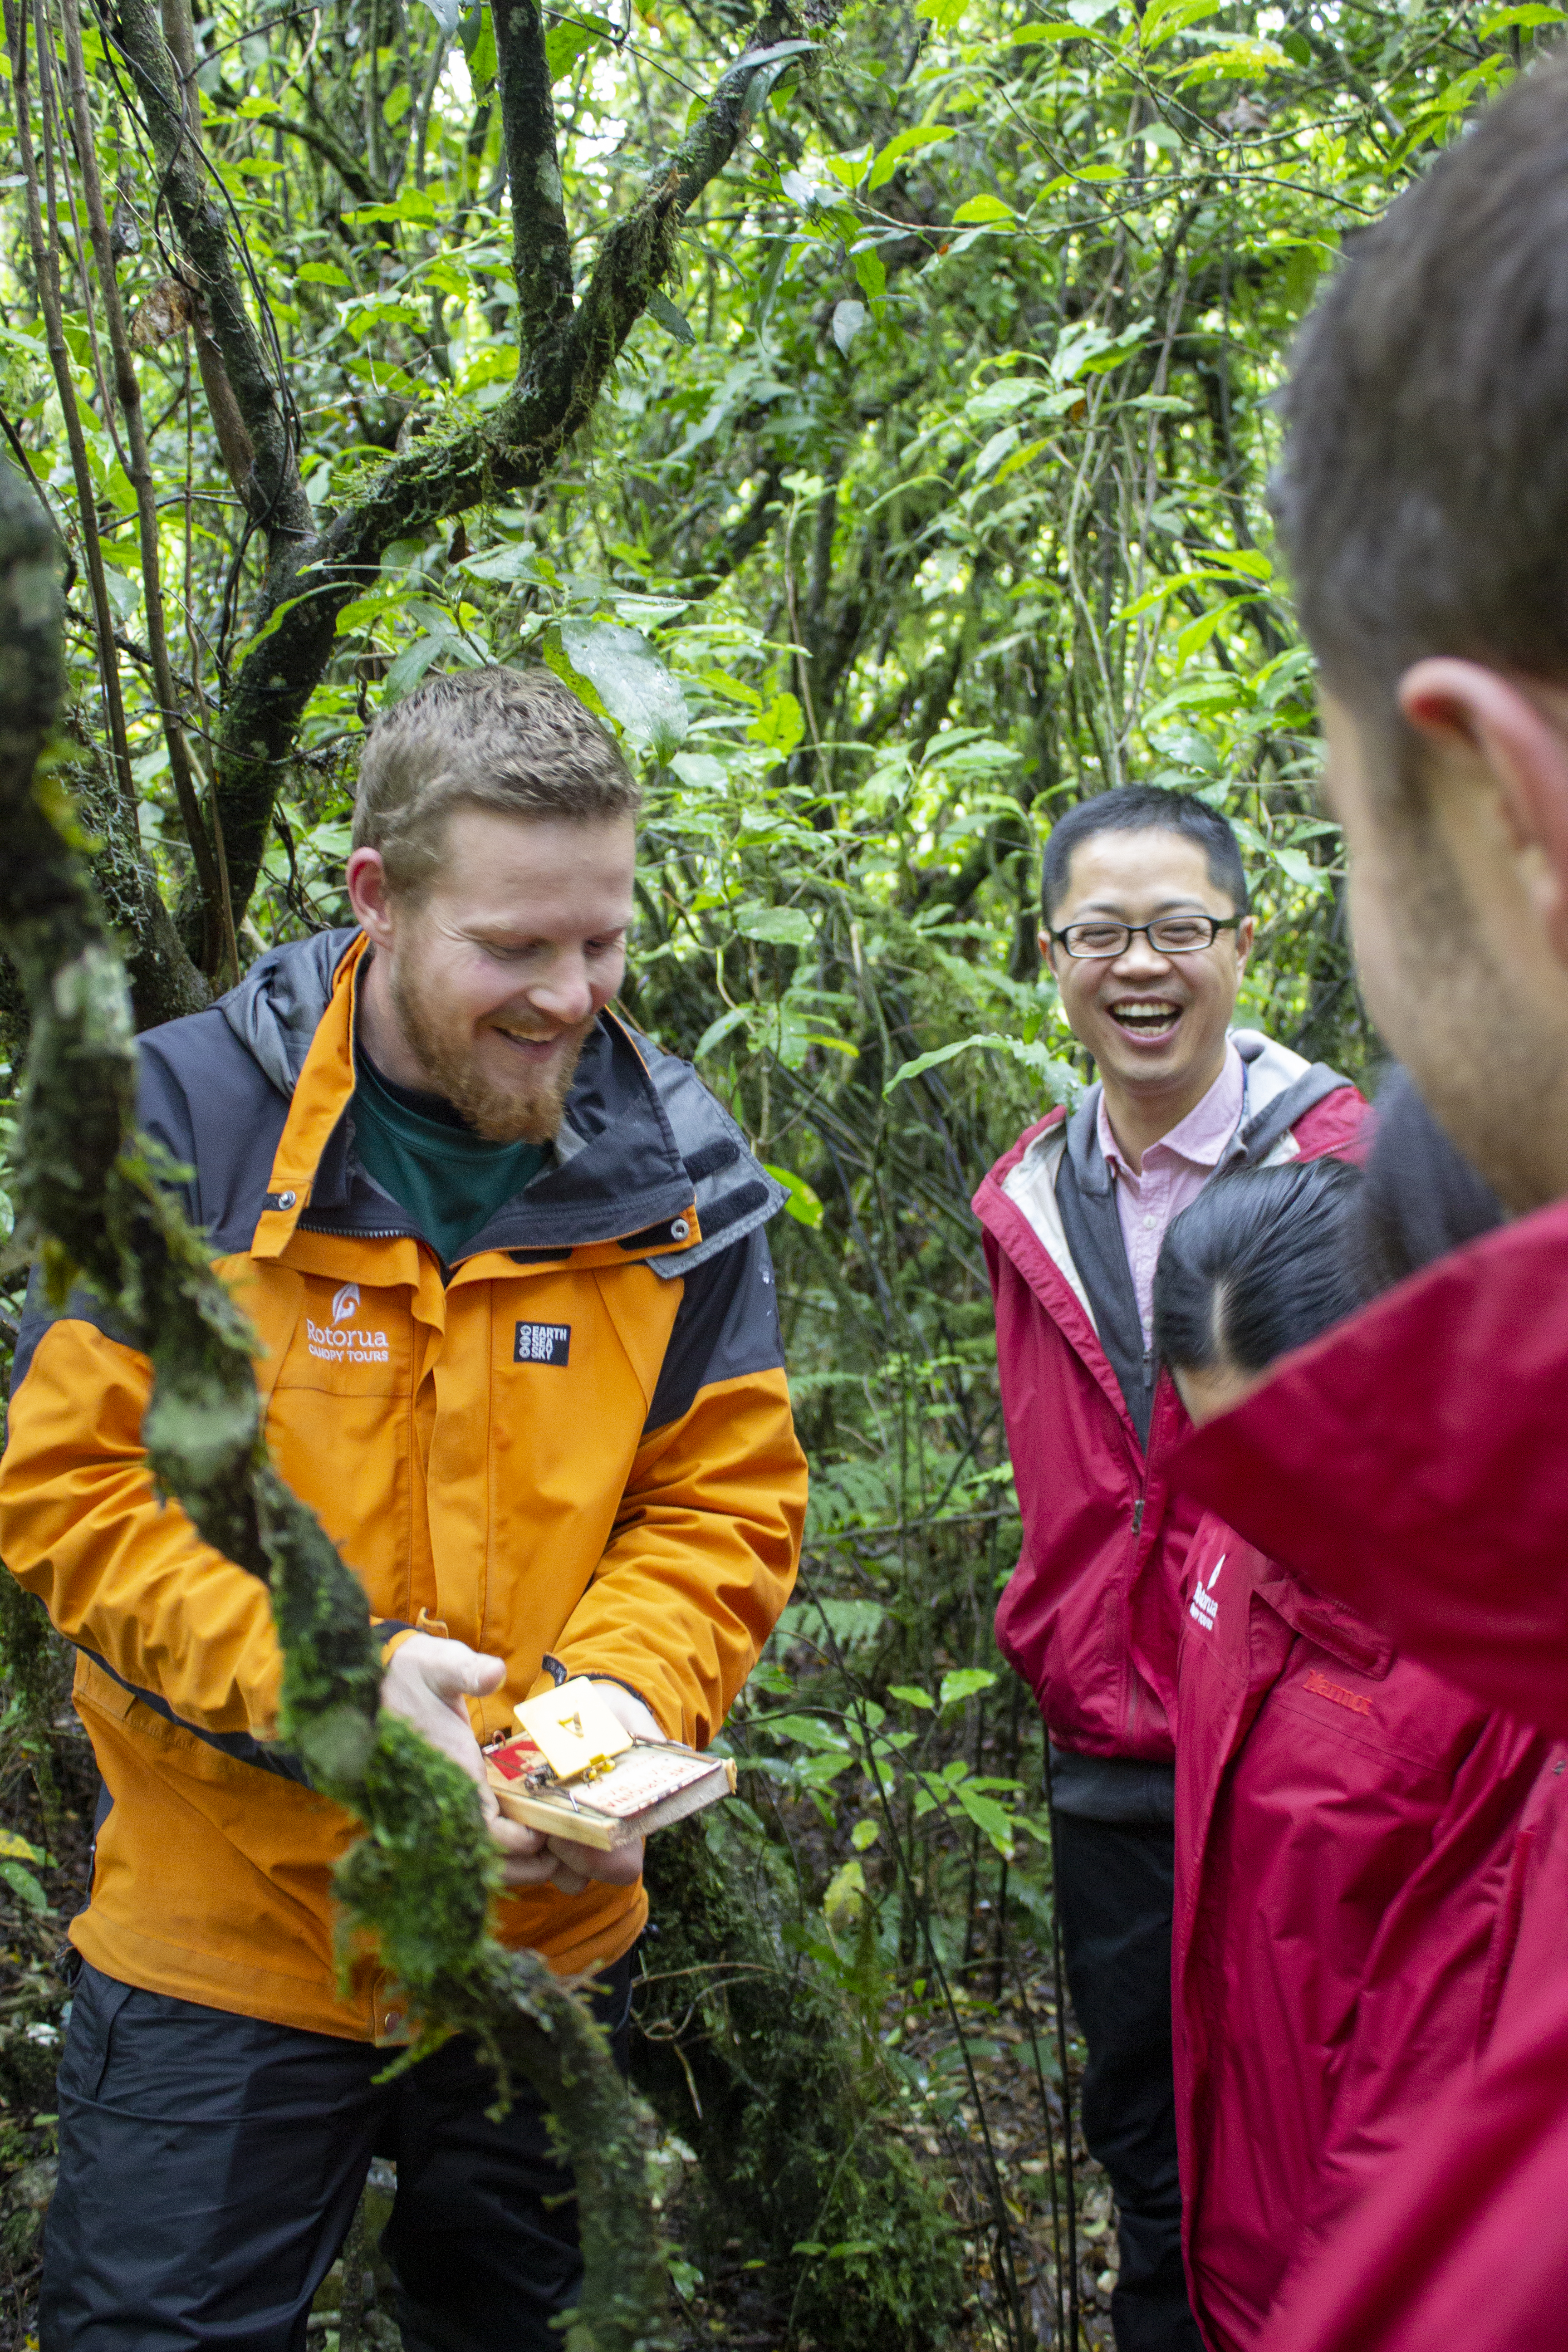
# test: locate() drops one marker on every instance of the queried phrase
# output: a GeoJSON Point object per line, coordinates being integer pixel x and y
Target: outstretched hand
{"type": "Point", "coordinates": [427, 1683]}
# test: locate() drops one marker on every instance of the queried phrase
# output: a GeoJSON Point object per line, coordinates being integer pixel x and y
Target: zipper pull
{"type": "Point", "coordinates": [1138, 1516]}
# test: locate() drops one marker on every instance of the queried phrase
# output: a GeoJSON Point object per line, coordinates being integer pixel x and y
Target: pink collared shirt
{"type": "Point", "coordinates": [1174, 1172]}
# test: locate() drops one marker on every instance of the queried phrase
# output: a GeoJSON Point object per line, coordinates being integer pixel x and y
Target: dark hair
{"type": "Point", "coordinates": [1144, 808]}
{"type": "Point", "coordinates": [1421, 1197]}
{"type": "Point", "coordinates": [1423, 493]}
{"type": "Point", "coordinates": [1257, 1265]}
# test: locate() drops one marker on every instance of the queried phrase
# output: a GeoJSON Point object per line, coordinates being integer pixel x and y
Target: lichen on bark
{"type": "Point", "coordinates": [420, 1878]}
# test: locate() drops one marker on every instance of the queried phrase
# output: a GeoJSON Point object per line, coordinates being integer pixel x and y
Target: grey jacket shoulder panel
{"type": "Point", "coordinates": [277, 1009]}
{"type": "Point", "coordinates": [733, 1192]}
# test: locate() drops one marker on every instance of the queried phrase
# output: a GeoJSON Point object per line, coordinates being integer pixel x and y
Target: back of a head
{"type": "Point", "coordinates": [1421, 1198]}
{"type": "Point", "coordinates": [1423, 496]}
{"type": "Point", "coordinates": [1257, 1265]}
{"type": "Point", "coordinates": [1142, 808]}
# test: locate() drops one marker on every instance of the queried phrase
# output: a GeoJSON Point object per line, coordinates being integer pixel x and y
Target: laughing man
{"type": "Point", "coordinates": [519, 1348]}
{"type": "Point", "coordinates": [1147, 931]}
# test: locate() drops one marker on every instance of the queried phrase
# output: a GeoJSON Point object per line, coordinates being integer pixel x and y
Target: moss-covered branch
{"type": "Point", "coordinates": [541, 244]}
{"type": "Point", "coordinates": [566, 354]}
{"type": "Point", "coordinates": [421, 1878]}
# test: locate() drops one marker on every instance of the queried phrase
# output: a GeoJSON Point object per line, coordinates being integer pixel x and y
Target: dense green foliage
{"type": "Point", "coordinates": [925, 495]}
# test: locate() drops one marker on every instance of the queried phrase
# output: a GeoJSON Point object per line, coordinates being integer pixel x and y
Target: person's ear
{"type": "Point", "coordinates": [1049, 950]}
{"type": "Point", "coordinates": [1463, 707]}
{"type": "Point", "coordinates": [1245, 932]}
{"type": "Point", "coordinates": [364, 877]}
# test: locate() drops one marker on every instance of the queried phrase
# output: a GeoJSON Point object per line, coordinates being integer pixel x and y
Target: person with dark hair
{"type": "Point", "coordinates": [1146, 929]}
{"type": "Point", "coordinates": [1413, 1464]}
{"type": "Point", "coordinates": [1421, 1198]}
{"type": "Point", "coordinates": [1347, 1823]}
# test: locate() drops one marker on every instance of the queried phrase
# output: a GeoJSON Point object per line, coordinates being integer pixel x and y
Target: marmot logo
{"type": "Point", "coordinates": [345, 1304]}
{"type": "Point", "coordinates": [1322, 1687]}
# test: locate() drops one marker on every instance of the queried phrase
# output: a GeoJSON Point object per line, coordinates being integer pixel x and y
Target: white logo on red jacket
{"type": "Point", "coordinates": [1204, 1607]}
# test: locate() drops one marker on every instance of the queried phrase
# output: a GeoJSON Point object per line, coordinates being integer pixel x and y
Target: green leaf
{"type": "Point", "coordinates": [417, 205]}
{"type": "Point", "coordinates": [22, 1884]}
{"type": "Point", "coordinates": [1500, 20]}
{"type": "Point", "coordinates": [322, 273]}
{"type": "Point", "coordinates": [848, 318]}
{"type": "Point", "coordinates": [1020, 457]}
{"type": "Point", "coordinates": [780, 727]}
{"type": "Point", "coordinates": [717, 1030]}
{"type": "Point", "coordinates": [910, 1696]}
{"type": "Point", "coordinates": [17, 1849]}
{"type": "Point", "coordinates": [963, 1681]}
{"type": "Point", "coordinates": [1062, 1083]}
{"type": "Point", "coordinates": [661, 308]}
{"type": "Point", "coordinates": [806, 1731]}
{"type": "Point", "coordinates": [637, 689]}
{"type": "Point", "coordinates": [943, 14]}
{"type": "Point", "coordinates": [906, 142]}
{"type": "Point", "coordinates": [787, 927]}
{"type": "Point", "coordinates": [803, 1205]}
{"type": "Point", "coordinates": [981, 209]}
{"type": "Point", "coordinates": [1300, 868]}
{"type": "Point", "coordinates": [872, 272]}
{"type": "Point", "coordinates": [410, 666]}
{"type": "Point", "coordinates": [988, 1816]}
{"type": "Point", "coordinates": [569, 39]}
{"type": "Point", "coordinates": [479, 38]}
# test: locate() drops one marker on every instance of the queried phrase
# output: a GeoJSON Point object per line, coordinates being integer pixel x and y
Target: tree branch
{"type": "Point", "coordinates": [515, 447]}
{"type": "Point", "coordinates": [220, 952]}
{"type": "Point", "coordinates": [45, 272]}
{"type": "Point", "coordinates": [276, 497]}
{"type": "Point", "coordinates": [541, 244]}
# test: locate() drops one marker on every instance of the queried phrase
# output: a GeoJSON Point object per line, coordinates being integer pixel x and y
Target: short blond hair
{"type": "Point", "coordinates": [516, 741]}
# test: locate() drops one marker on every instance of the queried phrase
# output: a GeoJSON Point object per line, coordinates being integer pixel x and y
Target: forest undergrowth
{"type": "Point", "coordinates": [867, 409]}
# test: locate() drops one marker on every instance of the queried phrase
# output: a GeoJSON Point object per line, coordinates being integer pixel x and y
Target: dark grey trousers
{"type": "Point", "coordinates": [210, 2166]}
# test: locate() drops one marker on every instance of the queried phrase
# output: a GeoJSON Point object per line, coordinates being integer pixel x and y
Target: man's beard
{"type": "Point", "coordinates": [1467, 1030]}
{"type": "Point", "coordinates": [530, 1112]}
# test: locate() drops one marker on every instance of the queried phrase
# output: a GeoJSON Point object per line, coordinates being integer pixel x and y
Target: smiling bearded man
{"type": "Point", "coordinates": [518, 1347]}
{"type": "Point", "coordinates": [1147, 931]}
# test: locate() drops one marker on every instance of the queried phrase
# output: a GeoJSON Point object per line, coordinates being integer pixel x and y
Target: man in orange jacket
{"type": "Point", "coordinates": [520, 1349]}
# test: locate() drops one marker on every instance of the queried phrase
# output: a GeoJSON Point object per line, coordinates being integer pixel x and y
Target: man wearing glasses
{"type": "Point", "coordinates": [1147, 931]}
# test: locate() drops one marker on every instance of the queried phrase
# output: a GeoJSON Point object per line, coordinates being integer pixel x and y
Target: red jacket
{"type": "Point", "coordinates": [1089, 1616]}
{"type": "Point", "coordinates": [1441, 1411]}
{"type": "Point", "coordinates": [1345, 1827]}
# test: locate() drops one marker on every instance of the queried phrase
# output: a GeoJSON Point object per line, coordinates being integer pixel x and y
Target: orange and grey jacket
{"type": "Point", "coordinates": [571, 1449]}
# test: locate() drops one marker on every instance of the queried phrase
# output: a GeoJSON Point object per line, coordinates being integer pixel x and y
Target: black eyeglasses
{"type": "Point", "coordinates": [1171, 935]}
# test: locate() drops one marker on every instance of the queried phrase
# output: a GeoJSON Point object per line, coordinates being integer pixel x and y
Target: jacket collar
{"type": "Point", "coordinates": [1412, 1464]}
{"type": "Point", "coordinates": [622, 1178]}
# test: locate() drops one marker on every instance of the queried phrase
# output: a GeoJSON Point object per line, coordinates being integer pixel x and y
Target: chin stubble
{"type": "Point", "coordinates": [529, 1113]}
{"type": "Point", "coordinates": [1473, 1045]}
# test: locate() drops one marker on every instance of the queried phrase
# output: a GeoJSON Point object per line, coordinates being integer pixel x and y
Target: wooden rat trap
{"type": "Point", "coordinates": [574, 1771]}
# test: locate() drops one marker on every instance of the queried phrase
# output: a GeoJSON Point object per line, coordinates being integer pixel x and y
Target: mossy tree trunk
{"type": "Point", "coordinates": [747, 2050]}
